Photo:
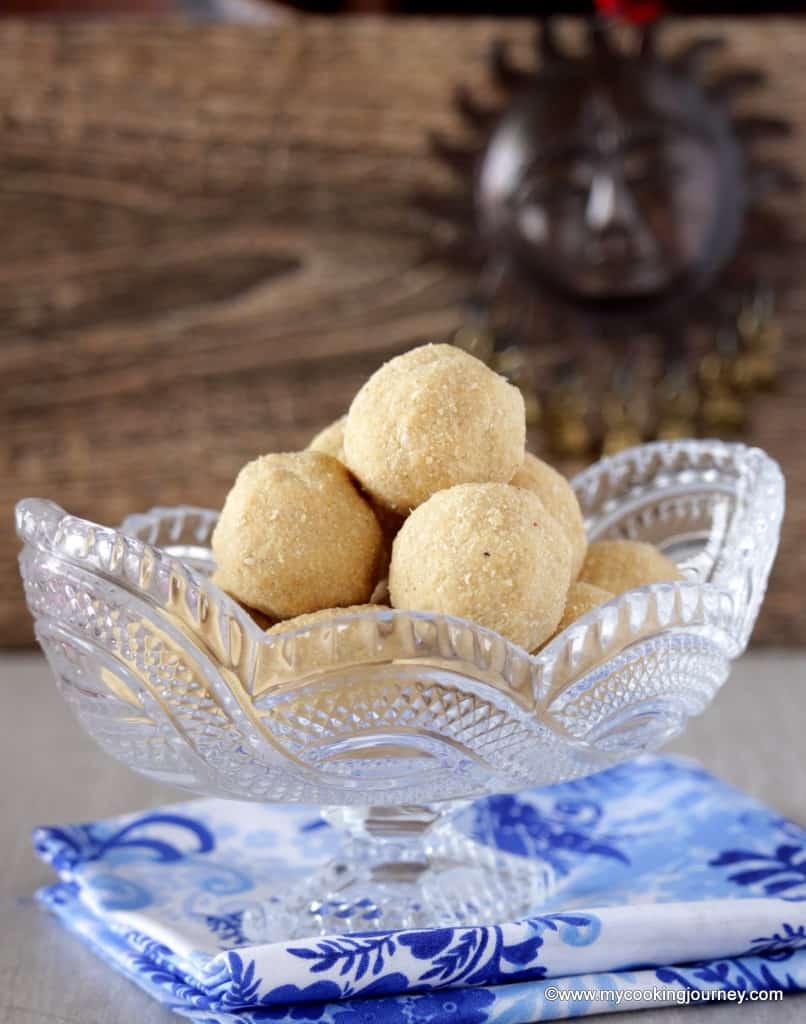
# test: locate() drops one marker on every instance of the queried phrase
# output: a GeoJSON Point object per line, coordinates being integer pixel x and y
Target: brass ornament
{"type": "Point", "coordinates": [606, 203]}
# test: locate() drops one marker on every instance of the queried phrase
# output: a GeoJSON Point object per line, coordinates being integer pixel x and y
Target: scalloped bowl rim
{"type": "Point", "coordinates": [545, 657]}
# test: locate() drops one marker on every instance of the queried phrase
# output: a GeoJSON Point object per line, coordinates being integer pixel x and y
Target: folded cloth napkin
{"type": "Point", "coordinates": [673, 887]}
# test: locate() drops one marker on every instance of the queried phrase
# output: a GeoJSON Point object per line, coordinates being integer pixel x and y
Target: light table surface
{"type": "Point", "coordinates": [753, 736]}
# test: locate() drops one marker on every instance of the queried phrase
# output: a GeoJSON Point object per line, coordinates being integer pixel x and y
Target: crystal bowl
{"type": "Point", "coordinates": [387, 719]}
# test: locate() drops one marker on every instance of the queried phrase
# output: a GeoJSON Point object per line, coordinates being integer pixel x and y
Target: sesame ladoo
{"type": "Point", "coordinates": [582, 598]}
{"type": "Point", "coordinates": [486, 552]}
{"type": "Point", "coordinates": [323, 615]}
{"type": "Point", "coordinates": [559, 498]}
{"type": "Point", "coordinates": [621, 565]}
{"type": "Point", "coordinates": [295, 536]}
{"type": "Point", "coordinates": [261, 620]}
{"type": "Point", "coordinates": [330, 440]}
{"type": "Point", "coordinates": [345, 640]}
{"type": "Point", "coordinates": [430, 419]}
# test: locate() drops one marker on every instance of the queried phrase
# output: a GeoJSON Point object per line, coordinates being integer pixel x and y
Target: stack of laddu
{"type": "Point", "coordinates": [423, 494]}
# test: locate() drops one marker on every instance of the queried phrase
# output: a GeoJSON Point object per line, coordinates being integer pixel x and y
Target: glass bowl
{"type": "Point", "coordinates": [388, 719]}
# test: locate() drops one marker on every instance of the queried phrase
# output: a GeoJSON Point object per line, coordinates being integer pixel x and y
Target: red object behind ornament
{"type": "Point", "coordinates": [639, 12]}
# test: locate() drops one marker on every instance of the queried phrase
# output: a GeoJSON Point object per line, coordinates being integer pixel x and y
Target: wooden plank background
{"type": "Point", "coordinates": [208, 242]}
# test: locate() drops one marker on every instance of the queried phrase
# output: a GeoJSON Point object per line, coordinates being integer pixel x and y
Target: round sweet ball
{"type": "Point", "coordinates": [330, 440]}
{"type": "Point", "coordinates": [323, 615]}
{"type": "Point", "coordinates": [355, 640]}
{"type": "Point", "coordinates": [295, 536]}
{"type": "Point", "coordinates": [261, 621]}
{"type": "Point", "coordinates": [486, 552]}
{"type": "Point", "coordinates": [582, 598]}
{"type": "Point", "coordinates": [619, 565]}
{"type": "Point", "coordinates": [430, 419]}
{"type": "Point", "coordinates": [559, 498]}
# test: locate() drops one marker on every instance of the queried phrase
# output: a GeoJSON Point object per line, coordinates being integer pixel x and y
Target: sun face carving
{"type": "Point", "coordinates": [611, 204]}
{"type": "Point", "coordinates": [612, 182]}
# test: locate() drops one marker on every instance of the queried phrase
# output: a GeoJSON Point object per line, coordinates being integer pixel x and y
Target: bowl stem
{"type": "Point", "coordinates": [405, 867]}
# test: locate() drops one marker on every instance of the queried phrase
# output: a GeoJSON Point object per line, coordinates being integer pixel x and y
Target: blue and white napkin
{"type": "Point", "coordinates": [673, 887]}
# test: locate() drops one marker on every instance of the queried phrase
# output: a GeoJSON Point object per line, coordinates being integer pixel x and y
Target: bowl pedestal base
{"type": "Point", "coordinates": [400, 868]}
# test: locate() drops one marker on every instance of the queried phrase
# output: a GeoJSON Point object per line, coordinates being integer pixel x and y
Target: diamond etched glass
{"type": "Point", "coordinates": [387, 718]}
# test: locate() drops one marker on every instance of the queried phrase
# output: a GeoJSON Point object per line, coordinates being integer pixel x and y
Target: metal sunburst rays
{"type": "Point", "coordinates": [702, 378]}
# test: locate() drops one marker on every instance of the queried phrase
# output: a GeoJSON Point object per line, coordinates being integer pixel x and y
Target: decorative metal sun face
{"type": "Point", "coordinates": [612, 195]}
{"type": "Point", "coordinates": [607, 183]}
{"type": "Point", "coordinates": [616, 181]}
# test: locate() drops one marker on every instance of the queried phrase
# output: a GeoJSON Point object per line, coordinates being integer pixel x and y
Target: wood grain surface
{"type": "Point", "coordinates": [208, 241]}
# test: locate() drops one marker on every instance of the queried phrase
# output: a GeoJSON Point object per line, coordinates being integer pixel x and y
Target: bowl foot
{"type": "Point", "coordinates": [430, 876]}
